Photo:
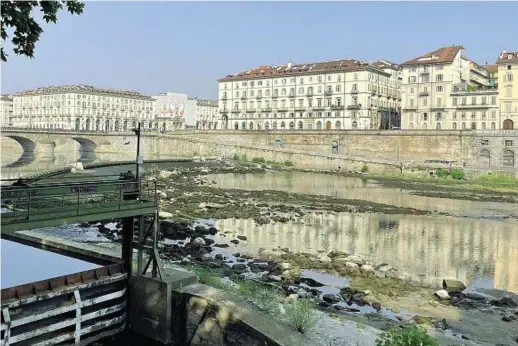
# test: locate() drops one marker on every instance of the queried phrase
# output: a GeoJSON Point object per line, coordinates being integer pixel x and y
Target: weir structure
{"type": "Point", "coordinates": [84, 307]}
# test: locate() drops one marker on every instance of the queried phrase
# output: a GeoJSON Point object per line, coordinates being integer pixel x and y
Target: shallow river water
{"type": "Point", "coordinates": [476, 245]}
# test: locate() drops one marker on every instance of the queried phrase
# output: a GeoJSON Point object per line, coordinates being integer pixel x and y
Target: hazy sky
{"type": "Point", "coordinates": [184, 47]}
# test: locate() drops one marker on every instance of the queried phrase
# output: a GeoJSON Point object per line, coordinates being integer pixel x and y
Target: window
{"type": "Point", "coordinates": [439, 88]}
{"type": "Point", "coordinates": [267, 93]}
{"type": "Point", "coordinates": [439, 102]}
{"type": "Point", "coordinates": [493, 100]}
{"type": "Point", "coordinates": [493, 114]}
{"type": "Point", "coordinates": [328, 102]}
{"type": "Point", "coordinates": [454, 126]}
{"type": "Point", "coordinates": [283, 91]}
{"type": "Point", "coordinates": [473, 126]}
{"type": "Point", "coordinates": [425, 78]}
{"type": "Point", "coordinates": [509, 77]}
{"type": "Point", "coordinates": [493, 126]}
{"type": "Point", "coordinates": [507, 107]}
{"type": "Point", "coordinates": [284, 81]}
{"type": "Point", "coordinates": [474, 100]}
{"type": "Point", "coordinates": [508, 143]}
{"type": "Point", "coordinates": [484, 142]}
{"type": "Point", "coordinates": [438, 78]}
{"type": "Point", "coordinates": [484, 100]}
{"type": "Point", "coordinates": [338, 101]}
{"type": "Point", "coordinates": [508, 92]}
{"type": "Point", "coordinates": [438, 126]}
{"type": "Point", "coordinates": [425, 117]}
{"type": "Point", "coordinates": [252, 93]}
{"type": "Point", "coordinates": [244, 83]}
{"type": "Point", "coordinates": [425, 102]}
{"type": "Point", "coordinates": [412, 90]}
{"type": "Point", "coordinates": [438, 116]}
{"type": "Point", "coordinates": [454, 101]}
{"type": "Point", "coordinates": [338, 88]}
{"type": "Point", "coordinates": [412, 69]}
{"type": "Point", "coordinates": [260, 82]}
{"type": "Point", "coordinates": [464, 100]}
{"type": "Point", "coordinates": [301, 103]}
{"type": "Point", "coordinates": [463, 126]}
{"type": "Point", "coordinates": [301, 90]}
{"type": "Point", "coordinates": [412, 79]}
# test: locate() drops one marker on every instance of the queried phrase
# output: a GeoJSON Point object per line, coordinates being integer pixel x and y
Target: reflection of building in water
{"type": "Point", "coordinates": [428, 248]}
{"type": "Point", "coordinates": [352, 188]}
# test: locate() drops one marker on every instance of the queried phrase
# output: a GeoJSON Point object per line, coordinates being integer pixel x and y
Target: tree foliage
{"type": "Point", "coordinates": [18, 16]}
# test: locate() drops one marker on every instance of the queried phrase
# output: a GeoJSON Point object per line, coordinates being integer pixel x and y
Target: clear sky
{"type": "Point", "coordinates": [185, 47]}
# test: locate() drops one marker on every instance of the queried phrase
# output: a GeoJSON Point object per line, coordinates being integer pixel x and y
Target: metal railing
{"type": "Point", "coordinates": [72, 200]}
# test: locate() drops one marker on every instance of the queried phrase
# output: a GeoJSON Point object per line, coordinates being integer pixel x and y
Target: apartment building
{"type": "Point", "coordinates": [82, 107]}
{"type": "Point", "coordinates": [6, 111]}
{"type": "Point", "coordinates": [508, 89]}
{"type": "Point", "coordinates": [445, 90]}
{"type": "Point", "coordinates": [207, 115]}
{"type": "Point", "coordinates": [175, 111]}
{"type": "Point", "coordinates": [339, 94]}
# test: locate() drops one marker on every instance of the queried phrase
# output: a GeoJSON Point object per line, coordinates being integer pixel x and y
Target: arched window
{"type": "Point", "coordinates": [508, 124]}
{"type": "Point", "coordinates": [243, 126]}
{"type": "Point", "coordinates": [484, 158]}
{"type": "Point", "coordinates": [274, 125]}
{"type": "Point", "coordinates": [463, 126]}
{"type": "Point", "coordinates": [483, 125]}
{"type": "Point", "coordinates": [411, 126]}
{"type": "Point", "coordinates": [454, 126]}
{"type": "Point", "coordinates": [425, 126]}
{"type": "Point", "coordinates": [338, 125]}
{"type": "Point", "coordinates": [251, 125]}
{"type": "Point", "coordinates": [283, 125]}
{"type": "Point", "coordinates": [266, 125]}
{"type": "Point", "coordinates": [319, 125]}
{"type": "Point", "coordinates": [236, 126]}
{"type": "Point", "coordinates": [328, 125]}
{"type": "Point", "coordinates": [473, 125]}
{"type": "Point", "coordinates": [508, 158]}
{"type": "Point", "coordinates": [438, 126]}
{"type": "Point", "coordinates": [301, 125]}
{"type": "Point", "coordinates": [355, 124]}
{"type": "Point", "coordinates": [292, 125]}
{"type": "Point", "coordinates": [493, 126]}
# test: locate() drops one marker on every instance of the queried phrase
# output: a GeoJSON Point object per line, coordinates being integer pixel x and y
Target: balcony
{"type": "Point", "coordinates": [318, 108]}
{"type": "Point", "coordinates": [424, 73]}
{"type": "Point", "coordinates": [243, 97]}
{"type": "Point", "coordinates": [354, 91]}
{"type": "Point", "coordinates": [275, 96]}
{"type": "Point", "coordinates": [337, 107]}
{"type": "Point", "coordinates": [473, 106]}
{"type": "Point", "coordinates": [251, 110]}
{"type": "Point", "coordinates": [224, 97]}
{"type": "Point", "coordinates": [309, 94]}
{"type": "Point", "coordinates": [358, 106]}
{"type": "Point", "coordinates": [424, 93]}
{"type": "Point", "coordinates": [300, 109]}
{"type": "Point", "coordinates": [223, 111]}
{"type": "Point", "coordinates": [259, 97]}
{"type": "Point", "coordinates": [235, 110]}
{"type": "Point", "coordinates": [410, 108]}
{"type": "Point", "coordinates": [291, 96]}
{"type": "Point", "coordinates": [328, 92]}
{"type": "Point", "coordinates": [282, 109]}
{"type": "Point", "coordinates": [266, 109]}
{"type": "Point", "coordinates": [438, 109]}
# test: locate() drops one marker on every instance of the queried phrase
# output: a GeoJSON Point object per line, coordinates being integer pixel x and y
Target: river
{"type": "Point", "coordinates": [476, 244]}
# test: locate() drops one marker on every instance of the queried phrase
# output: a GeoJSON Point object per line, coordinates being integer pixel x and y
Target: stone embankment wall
{"type": "Point", "coordinates": [350, 150]}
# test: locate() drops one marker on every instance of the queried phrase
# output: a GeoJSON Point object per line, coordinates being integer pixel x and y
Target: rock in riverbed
{"type": "Point", "coordinates": [453, 285]}
{"type": "Point", "coordinates": [442, 294]}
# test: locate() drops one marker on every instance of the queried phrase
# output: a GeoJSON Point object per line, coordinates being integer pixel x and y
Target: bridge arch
{"type": "Point", "coordinates": [28, 150]}
{"type": "Point", "coordinates": [87, 145]}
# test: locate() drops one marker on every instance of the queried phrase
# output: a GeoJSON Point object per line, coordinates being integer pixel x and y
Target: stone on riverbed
{"type": "Point", "coordinates": [505, 302]}
{"type": "Point", "coordinates": [331, 298]}
{"type": "Point", "coordinates": [239, 268]}
{"type": "Point", "coordinates": [164, 214]}
{"type": "Point", "coordinates": [376, 306]}
{"type": "Point", "coordinates": [367, 268]}
{"type": "Point", "coordinates": [199, 241]}
{"type": "Point", "coordinates": [241, 237]}
{"type": "Point", "coordinates": [336, 253]}
{"type": "Point", "coordinates": [453, 285]}
{"type": "Point", "coordinates": [442, 294]}
{"type": "Point", "coordinates": [234, 241]}
{"type": "Point", "coordinates": [274, 278]}
{"type": "Point", "coordinates": [351, 265]}
{"type": "Point", "coordinates": [206, 257]}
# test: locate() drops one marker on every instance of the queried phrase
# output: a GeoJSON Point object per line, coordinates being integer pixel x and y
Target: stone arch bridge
{"type": "Point", "coordinates": [349, 150]}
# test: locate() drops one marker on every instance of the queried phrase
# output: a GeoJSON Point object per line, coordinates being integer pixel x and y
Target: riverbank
{"type": "Point", "coordinates": [374, 294]}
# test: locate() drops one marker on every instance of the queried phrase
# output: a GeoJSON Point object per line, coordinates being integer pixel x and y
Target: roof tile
{"type": "Point", "coordinates": [440, 56]}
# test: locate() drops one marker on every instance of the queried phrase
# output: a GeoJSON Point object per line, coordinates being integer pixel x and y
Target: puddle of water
{"type": "Point", "coordinates": [75, 233]}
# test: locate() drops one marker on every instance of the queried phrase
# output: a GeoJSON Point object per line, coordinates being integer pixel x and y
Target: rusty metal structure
{"type": "Point", "coordinates": [83, 307]}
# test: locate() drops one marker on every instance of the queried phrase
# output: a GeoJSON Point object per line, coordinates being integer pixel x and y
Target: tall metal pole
{"type": "Point", "coordinates": [137, 132]}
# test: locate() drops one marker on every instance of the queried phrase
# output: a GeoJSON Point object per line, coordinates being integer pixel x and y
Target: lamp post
{"type": "Point", "coordinates": [138, 158]}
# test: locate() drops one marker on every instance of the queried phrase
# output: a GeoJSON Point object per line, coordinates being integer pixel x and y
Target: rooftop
{"type": "Point", "coordinates": [507, 58]}
{"type": "Point", "coordinates": [492, 68]}
{"type": "Point", "coordinates": [440, 56]}
{"type": "Point", "coordinates": [386, 64]}
{"type": "Point", "coordinates": [289, 69]}
{"type": "Point", "coordinates": [7, 97]}
{"type": "Point", "coordinates": [87, 89]}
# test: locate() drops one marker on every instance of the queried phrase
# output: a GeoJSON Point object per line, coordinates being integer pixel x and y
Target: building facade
{"type": "Point", "coordinates": [445, 90]}
{"type": "Point", "coordinates": [341, 94]}
{"type": "Point", "coordinates": [508, 89]}
{"type": "Point", "coordinates": [175, 111]}
{"type": "Point", "coordinates": [82, 107]}
{"type": "Point", "coordinates": [6, 111]}
{"type": "Point", "coordinates": [207, 115]}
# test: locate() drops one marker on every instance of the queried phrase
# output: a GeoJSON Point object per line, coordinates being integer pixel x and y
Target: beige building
{"type": "Point", "coordinates": [331, 95]}
{"type": "Point", "coordinates": [508, 89]}
{"type": "Point", "coordinates": [82, 107]}
{"type": "Point", "coordinates": [445, 90]}
{"type": "Point", "coordinates": [207, 115]}
{"type": "Point", "coordinates": [6, 111]}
